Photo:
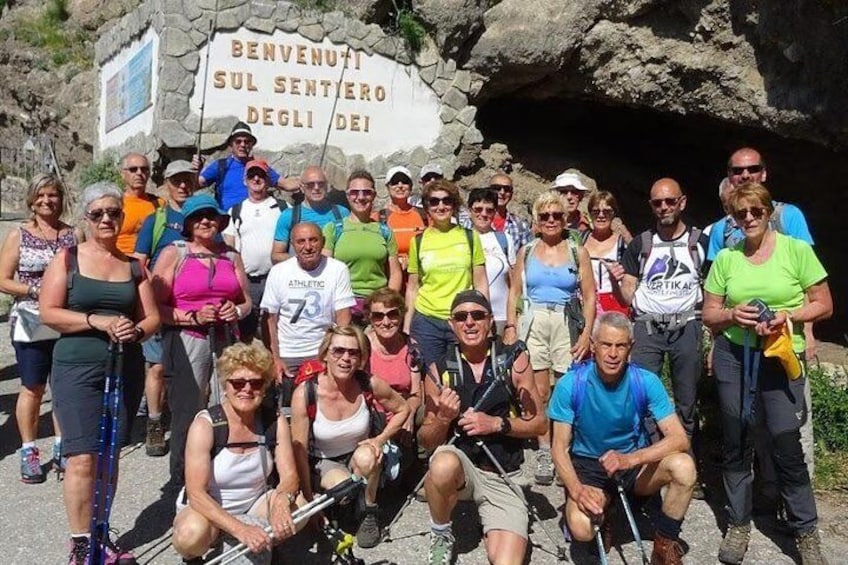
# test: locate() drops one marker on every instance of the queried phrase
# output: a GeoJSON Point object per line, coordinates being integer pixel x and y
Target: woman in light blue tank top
{"type": "Point", "coordinates": [550, 270]}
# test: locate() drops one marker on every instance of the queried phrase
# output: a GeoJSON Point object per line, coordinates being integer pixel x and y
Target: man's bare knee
{"type": "Point", "coordinates": [681, 469]}
{"type": "Point", "coordinates": [579, 524]}
{"type": "Point", "coordinates": [445, 468]}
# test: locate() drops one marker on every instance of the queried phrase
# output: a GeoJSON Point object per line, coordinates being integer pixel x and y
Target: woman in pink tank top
{"type": "Point", "coordinates": [202, 291]}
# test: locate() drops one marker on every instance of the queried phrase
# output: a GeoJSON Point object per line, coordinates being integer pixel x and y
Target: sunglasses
{"type": "Point", "coordinates": [479, 210]}
{"type": "Point", "coordinates": [757, 212]}
{"type": "Point", "coordinates": [257, 172]}
{"type": "Point", "coordinates": [315, 184]}
{"type": "Point", "coordinates": [393, 315]}
{"type": "Point", "coordinates": [243, 141]}
{"type": "Point", "coordinates": [431, 176]}
{"type": "Point", "coordinates": [570, 190]}
{"type": "Point", "coordinates": [658, 202]}
{"type": "Point", "coordinates": [136, 169]}
{"type": "Point", "coordinates": [239, 384]}
{"type": "Point", "coordinates": [338, 351]}
{"type": "Point", "coordinates": [752, 169]}
{"type": "Point", "coordinates": [400, 180]}
{"type": "Point", "coordinates": [597, 212]}
{"type": "Point", "coordinates": [434, 201]}
{"type": "Point", "coordinates": [205, 215]}
{"type": "Point", "coordinates": [476, 315]}
{"type": "Point", "coordinates": [557, 216]}
{"type": "Point", "coordinates": [361, 193]}
{"type": "Point", "coordinates": [499, 187]}
{"type": "Point", "coordinates": [97, 215]}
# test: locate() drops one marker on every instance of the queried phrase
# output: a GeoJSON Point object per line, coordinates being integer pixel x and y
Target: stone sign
{"type": "Point", "coordinates": [293, 76]}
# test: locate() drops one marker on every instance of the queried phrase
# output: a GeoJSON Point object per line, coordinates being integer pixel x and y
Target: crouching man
{"type": "Point", "coordinates": [494, 428]}
{"type": "Point", "coordinates": [599, 410]}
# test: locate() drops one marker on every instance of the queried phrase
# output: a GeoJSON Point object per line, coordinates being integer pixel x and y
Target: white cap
{"type": "Point", "coordinates": [564, 180]}
{"type": "Point", "coordinates": [398, 169]}
{"type": "Point", "coordinates": [432, 169]}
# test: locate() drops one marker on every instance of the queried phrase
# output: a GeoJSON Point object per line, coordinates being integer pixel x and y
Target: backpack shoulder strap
{"type": "Point", "coordinates": [501, 237]}
{"type": "Point", "coordinates": [776, 220]}
{"type": "Point", "coordinates": [160, 220]}
{"type": "Point", "coordinates": [383, 216]}
{"type": "Point", "coordinates": [622, 248]}
{"type": "Point", "coordinates": [297, 211]}
{"type": "Point", "coordinates": [220, 429]}
{"type": "Point", "coordinates": [423, 215]}
{"type": "Point", "coordinates": [268, 420]}
{"type": "Point", "coordinates": [574, 257]}
{"type": "Point", "coordinates": [311, 391]}
{"type": "Point", "coordinates": [223, 165]}
{"type": "Point", "coordinates": [469, 235]}
{"type": "Point", "coordinates": [578, 392]}
{"type": "Point", "coordinates": [338, 230]}
{"type": "Point", "coordinates": [182, 254]}
{"type": "Point", "coordinates": [235, 214]}
{"type": "Point", "coordinates": [279, 203]}
{"type": "Point", "coordinates": [72, 265]}
{"type": "Point", "coordinates": [646, 239]}
{"type": "Point", "coordinates": [136, 270]}
{"type": "Point", "coordinates": [640, 397]}
{"type": "Point", "coordinates": [419, 239]}
{"type": "Point", "coordinates": [337, 213]}
{"type": "Point", "coordinates": [694, 237]}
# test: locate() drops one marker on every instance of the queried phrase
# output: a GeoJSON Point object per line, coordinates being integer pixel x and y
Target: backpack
{"type": "Point", "coordinates": [503, 359]}
{"type": "Point", "coordinates": [338, 230]}
{"type": "Point", "coordinates": [573, 310]}
{"type": "Point", "coordinates": [469, 235]}
{"type": "Point", "coordinates": [643, 423]}
{"type": "Point", "coordinates": [266, 430]}
{"type": "Point", "coordinates": [223, 165]}
{"type": "Point", "coordinates": [136, 270]}
{"type": "Point", "coordinates": [647, 241]}
{"type": "Point", "coordinates": [730, 238]}
{"type": "Point", "coordinates": [235, 212]}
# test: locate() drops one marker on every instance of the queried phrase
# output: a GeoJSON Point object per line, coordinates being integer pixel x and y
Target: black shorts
{"type": "Point", "coordinates": [590, 472]}
{"type": "Point", "coordinates": [34, 361]}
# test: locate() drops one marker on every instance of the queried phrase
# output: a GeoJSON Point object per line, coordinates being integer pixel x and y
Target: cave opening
{"type": "Point", "coordinates": [626, 149]}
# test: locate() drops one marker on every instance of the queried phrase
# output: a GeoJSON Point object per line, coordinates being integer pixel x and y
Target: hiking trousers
{"type": "Point", "coordinates": [780, 406]}
{"type": "Point", "coordinates": [683, 347]}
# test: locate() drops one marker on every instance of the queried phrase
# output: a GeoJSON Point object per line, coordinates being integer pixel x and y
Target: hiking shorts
{"type": "Point", "coordinates": [34, 361]}
{"type": "Point", "coordinates": [499, 507]}
{"type": "Point", "coordinates": [548, 341]}
{"type": "Point", "coordinates": [590, 472]}
{"type": "Point", "coordinates": [152, 349]}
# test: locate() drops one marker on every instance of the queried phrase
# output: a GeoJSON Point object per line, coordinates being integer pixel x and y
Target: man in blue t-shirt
{"type": "Point", "coordinates": [315, 208]}
{"type": "Point", "coordinates": [158, 231]}
{"type": "Point", "coordinates": [227, 174]}
{"type": "Point", "coordinates": [599, 438]}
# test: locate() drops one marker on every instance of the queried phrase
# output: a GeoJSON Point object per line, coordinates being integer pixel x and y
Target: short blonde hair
{"type": "Point", "coordinates": [442, 185]}
{"type": "Point", "coordinates": [546, 200]}
{"type": "Point", "coordinates": [254, 357]}
{"type": "Point", "coordinates": [42, 180]}
{"type": "Point", "coordinates": [346, 331]}
{"type": "Point", "coordinates": [750, 191]}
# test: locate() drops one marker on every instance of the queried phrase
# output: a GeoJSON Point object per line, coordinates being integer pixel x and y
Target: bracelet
{"type": "Point", "coordinates": [238, 312]}
{"type": "Point", "coordinates": [88, 320]}
{"type": "Point", "coordinates": [192, 317]}
{"type": "Point", "coordinates": [508, 326]}
{"type": "Point", "coordinates": [32, 292]}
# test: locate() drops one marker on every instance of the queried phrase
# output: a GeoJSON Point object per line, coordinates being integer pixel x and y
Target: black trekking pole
{"type": "Point", "coordinates": [212, 22]}
{"type": "Point", "coordinates": [105, 466]}
{"type": "Point", "coordinates": [631, 520]}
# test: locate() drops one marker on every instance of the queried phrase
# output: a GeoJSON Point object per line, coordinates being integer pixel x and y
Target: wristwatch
{"type": "Point", "coordinates": [506, 426]}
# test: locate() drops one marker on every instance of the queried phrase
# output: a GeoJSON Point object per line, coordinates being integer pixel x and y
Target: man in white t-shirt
{"type": "Point", "coordinates": [660, 277]}
{"type": "Point", "coordinates": [251, 233]}
{"type": "Point", "coordinates": [499, 249]}
{"type": "Point", "coordinates": [304, 295]}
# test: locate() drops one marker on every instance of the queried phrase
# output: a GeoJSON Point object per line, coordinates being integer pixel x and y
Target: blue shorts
{"type": "Point", "coordinates": [152, 349]}
{"type": "Point", "coordinates": [34, 361]}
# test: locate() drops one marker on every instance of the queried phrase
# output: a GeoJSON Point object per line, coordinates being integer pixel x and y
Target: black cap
{"type": "Point", "coordinates": [241, 128]}
{"type": "Point", "coordinates": [474, 296]}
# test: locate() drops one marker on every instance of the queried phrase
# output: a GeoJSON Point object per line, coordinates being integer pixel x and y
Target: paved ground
{"type": "Point", "coordinates": [34, 531]}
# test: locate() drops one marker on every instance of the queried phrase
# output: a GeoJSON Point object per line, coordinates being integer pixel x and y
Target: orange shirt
{"type": "Point", "coordinates": [135, 211]}
{"type": "Point", "coordinates": [405, 226]}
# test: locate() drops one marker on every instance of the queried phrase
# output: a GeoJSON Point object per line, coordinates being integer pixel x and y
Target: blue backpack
{"type": "Point", "coordinates": [643, 422]}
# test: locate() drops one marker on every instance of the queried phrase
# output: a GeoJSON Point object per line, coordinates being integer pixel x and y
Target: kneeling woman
{"type": "Point", "coordinates": [223, 481]}
{"type": "Point", "coordinates": [332, 428]}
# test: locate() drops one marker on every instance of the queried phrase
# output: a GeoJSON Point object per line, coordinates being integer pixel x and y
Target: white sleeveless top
{"type": "Point", "coordinates": [238, 479]}
{"type": "Point", "coordinates": [332, 438]}
{"type": "Point", "coordinates": [603, 283]}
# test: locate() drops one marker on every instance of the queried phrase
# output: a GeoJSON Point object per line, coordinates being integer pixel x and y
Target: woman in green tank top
{"type": "Point", "coordinates": [93, 294]}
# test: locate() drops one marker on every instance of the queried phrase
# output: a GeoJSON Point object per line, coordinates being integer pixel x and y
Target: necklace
{"type": "Point", "coordinates": [53, 244]}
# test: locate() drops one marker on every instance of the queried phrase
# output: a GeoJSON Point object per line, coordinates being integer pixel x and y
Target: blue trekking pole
{"type": "Point", "coordinates": [105, 467]}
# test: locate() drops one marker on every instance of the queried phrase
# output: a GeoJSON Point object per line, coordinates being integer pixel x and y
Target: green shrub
{"type": "Point", "coordinates": [64, 43]}
{"type": "Point", "coordinates": [411, 29]}
{"type": "Point", "coordinates": [319, 5]}
{"type": "Point", "coordinates": [830, 411]}
{"type": "Point", "coordinates": [105, 168]}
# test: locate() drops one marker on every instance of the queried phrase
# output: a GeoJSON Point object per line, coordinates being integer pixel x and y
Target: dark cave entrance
{"type": "Point", "coordinates": [626, 149]}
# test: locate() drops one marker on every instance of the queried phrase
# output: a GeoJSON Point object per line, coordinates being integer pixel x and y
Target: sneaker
{"type": "Point", "coordinates": [114, 555]}
{"type": "Point", "coordinates": [155, 442]}
{"type": "Point", "coordinates": [735, 544]}
{"type": "Point", "coordinates": [544, 468]}
{"type": "Point", "coordinates": [666, 551]}
{"type": "Point", "coordinates": [809, 546]}
{"type": "Point", "coordinates": [31, 472]}
{"type": "Point", "coordinates": [79, 551]}
{"type": "Point", "coordinates": [368, 535]}
{"type": "Point", "coordinates": [441, 548]}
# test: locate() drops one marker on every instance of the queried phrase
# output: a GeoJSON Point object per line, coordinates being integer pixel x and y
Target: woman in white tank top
{"type": "Point", "coordinates": [234, 481]}
{"type": "Point", "coordinates": [605, 243]}
{"type": "Point", "coordinates": [331, 423]}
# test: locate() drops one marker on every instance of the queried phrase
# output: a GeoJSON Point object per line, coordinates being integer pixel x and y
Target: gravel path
{"type": "Point", "coordinates": [34, 528]}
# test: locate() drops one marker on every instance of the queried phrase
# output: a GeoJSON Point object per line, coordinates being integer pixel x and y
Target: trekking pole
{"type": "Point", "coordinates": [212, 22]}
{"type": "Point", "coordinates": [599, 539]}
{"type": "Point", "coordinates": [335, 103]}
{"type": "Point", "coordinates": [214, 385]}
{"type": "Point", "coordinates": [341, 491]}
{"type": "Point", "coordinates": [105, 466]}
{"type": "Point", "coordinates": [631, 520]}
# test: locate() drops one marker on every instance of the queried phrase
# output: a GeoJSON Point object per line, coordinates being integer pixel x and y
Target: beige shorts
{"type": "Point", "coordinates": [548, 341]}
{"type": "Point", "coordinates": [499, 507]}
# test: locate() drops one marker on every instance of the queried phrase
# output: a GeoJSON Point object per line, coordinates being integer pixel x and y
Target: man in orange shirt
{"type": "Point", "coordinates": [138, 204]}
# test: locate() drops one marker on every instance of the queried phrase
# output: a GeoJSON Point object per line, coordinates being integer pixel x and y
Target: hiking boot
{"type": "Point", "coordinates": [666, 551]}
{"type": "Point", "coordinates": [368, 535]}
{"type": "Point", "coordinates": [155, 442]}
{"type": "Point", "coordinates": [544, 468]}
{"type": "Point", "coordinates": [441, 548]}
{"type": "Point", "coordinates": [735, 544]}
{"type": "Point", "coordinates": [57, 460]}
{"type": "Point", "coordinates": [79, 551]}
{"type": "Point", "coordinates": [31, 472]}
{"type": "Point", "coordinates": [809, 546]}
{"type": "Point", "coordinates": [698, 492]}
{"type": "Point", "coordinates": [116, 556]}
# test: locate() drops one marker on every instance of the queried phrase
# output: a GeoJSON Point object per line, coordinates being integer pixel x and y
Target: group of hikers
{"type": "Point", "coordinates": [296, 336]}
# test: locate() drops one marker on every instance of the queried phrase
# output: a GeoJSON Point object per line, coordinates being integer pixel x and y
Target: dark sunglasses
{"type": "Point", "coordinates": [545, 216]}
{"type": "Point", "coordinates": [431, 176]}
{"type": "Point", "coordinates": [257, 172]}
{"type": "Point", "coordinates": [434, 201]}
{"type": "Point", "coordinates": [338, 351]}
{"type": "Point", "coordinates": [315, 184]}
{"type": "Point", "coordinates": [570, 190]}
{"type": "Point", "coordinates": [476, 315]}
{"type": "Point", "coordinates": [393, 315]}
{"type": "Point", "coordinates": [499, 187]}
{"type": "Point", "coordinates": [97, 215]}
{"type": "Point", "coordinates": [596, 212]}
{"type": "Point", "coordinates": [657, 202]}
{"type": "Point", "coordinates": [135, 169]}
{"type": "Point", "coordinates": [757, 212]}
{"type": "Point", "coordinates": [400, 179]}
{"type": "Point", "coordinates": [483, 210]}
{"type": "Point", "coordinates": [361, 193]}
{"type": "Point", "coordinates": [207, 214]}
{"type": "Point", "coordinates": [239, 384]}
{"type": "Point", "coordinates": [752, 169]}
